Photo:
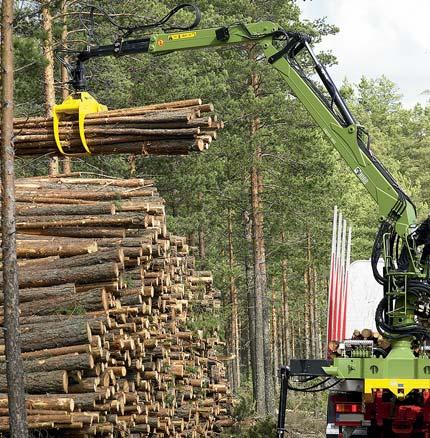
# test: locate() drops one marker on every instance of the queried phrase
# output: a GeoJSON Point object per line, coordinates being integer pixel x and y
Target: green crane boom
{"type": "Point", "coordinates": [341, 130]}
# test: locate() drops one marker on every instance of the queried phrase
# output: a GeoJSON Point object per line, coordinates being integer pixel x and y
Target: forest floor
{"type": "Point", "coordinates": [299, 424]}
{"type": "Point", "coordinates": [304, 425]}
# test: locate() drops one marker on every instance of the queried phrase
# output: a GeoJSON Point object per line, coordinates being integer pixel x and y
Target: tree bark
{"type": "Point", "coordinates": [293, 340]}
{"type": "Point", "coordinates": [67, 161]}
{"type": "Point", "coordinates": [311, 278]}
{"type": "Point", "coordinates": [43, 402]}
{"type": "Point", "coordinates": [33, 249]}
{"type": "Point", "coordinates": [87, 260]}
{"type": "Point", "coordinates": [313, 312]}
{"type": "Point", "coordinates": [317, 316]}
{"type": "Point", "coordinates": [14, 368]}
{"type": "Point", "coordinates": [59, 351]}
{"type": "Point", "coordinates": [48, 73]}
{"type": "Point", "coordinates": [234, 316]}
{"type": "Point", "coordinates": [286, 333]}
{"type": "Point", "coordinates": [39, 383]}
{"type": "Point", "coordinates": [263, 347]}
{"type": "Point", "coordinates": [308, 300]}
{"type": "Point", "coordinates": [27, 295]}
{"type": "Point", "coordinates": [29, 278]}
{"type": "Point", "coordinates": [306, 319]}
{"type": "Point", "coordinates": [249, 276]}
{"type": "Point", "coordinates": [275, 335]}
{"type": "Point", "coordinates": [258, 297]}
{"type": "Point", "coordinates": [68, 362]}
{"type": "Point", "coordinates": [64, 34]}
{"type": "Point", "coordinates": [64, 209]}
{"type": "Point", "coordinates": [92, 300]}
{"type": "Point", "coordinates": [56, 335]}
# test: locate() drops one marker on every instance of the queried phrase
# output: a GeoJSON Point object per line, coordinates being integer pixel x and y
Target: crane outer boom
{"type": "Point", "coordinates": [345, 136]}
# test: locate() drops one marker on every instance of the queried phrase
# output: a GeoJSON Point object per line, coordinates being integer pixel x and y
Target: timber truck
{"type": "Point", "coordinates": [373, 393]}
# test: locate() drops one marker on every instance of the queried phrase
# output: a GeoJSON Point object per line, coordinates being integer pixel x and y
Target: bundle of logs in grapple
{"type": "Point", "coordinates": [174, 128]}
{"type": "Point", "coordinates": [111, 346]}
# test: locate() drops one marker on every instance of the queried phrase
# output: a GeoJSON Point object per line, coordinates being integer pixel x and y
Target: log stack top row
{"type": "Point", "coordinates": [111, 307]}
{"type": "Point", "coordinates": [174, 128]}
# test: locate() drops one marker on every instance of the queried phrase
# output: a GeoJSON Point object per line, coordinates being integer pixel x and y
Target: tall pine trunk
{"type": "Point", "coordinates": [67, 161]}
{"type": "Point", "coordinates": [317, 316]}
{"type": "Point", "coordinates": [311, 297]}
{"type": "Point", "coordinates": [293, 335]}
{"type": "Point", "coordinates": [306, 319]}
{"type": "Point", "coordinates": [308, 301]}
{"type": "Point", "coordinates": [249, 277]}
{"type": "Point", "coordinates": [48, 73]}
{"type": "Point", "coordinates": [315, 311]}
{"type": "Point", "coordinates": [225, 301]}
{"type": "Point", "coordinates": [286, 329]}
{"type": "Point", "coordinates": [264, 353]}
{"type": "Point", "coordinates": [300, 346]}
{"type": "Point", "coordinates": [313, 314]}
{"type": "Point", "coordinates": [234, 314]}
{"type": "Point", "coordinates": [275, 335]}
{"type": "Point", "coordinates": [14, 365]}
{"type": "Point", "coordinates": [259, 294]}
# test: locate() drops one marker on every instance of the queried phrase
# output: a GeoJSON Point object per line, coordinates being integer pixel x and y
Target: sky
{"type": "Point", "coordinates": [378, 37]}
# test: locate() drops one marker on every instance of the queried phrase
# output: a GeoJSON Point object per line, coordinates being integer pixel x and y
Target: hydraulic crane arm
{"type": "Point", "coordinates": [332, 116]}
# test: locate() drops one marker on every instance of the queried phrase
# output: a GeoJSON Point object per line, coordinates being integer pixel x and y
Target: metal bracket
{"type": "Point", "coordinates": [222, 34]}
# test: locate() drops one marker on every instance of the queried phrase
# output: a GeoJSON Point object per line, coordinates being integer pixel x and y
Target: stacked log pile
{"type": "Point", "coordinates": [380, 344]}
{"type": "Point", "coordinates": [175, 128]}
{"type": "Point", "coordinates": [105, 295]}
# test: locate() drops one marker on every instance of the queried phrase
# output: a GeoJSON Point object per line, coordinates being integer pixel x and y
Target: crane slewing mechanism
{"type": "Point", "coordinates": [404, 373]}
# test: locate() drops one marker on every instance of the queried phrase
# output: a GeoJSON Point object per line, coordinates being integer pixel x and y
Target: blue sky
{"type": "Point", "coordinates": [390, 37]}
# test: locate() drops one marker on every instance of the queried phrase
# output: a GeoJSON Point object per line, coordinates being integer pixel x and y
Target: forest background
{"type": "Point", "coordinates": [257, 206]}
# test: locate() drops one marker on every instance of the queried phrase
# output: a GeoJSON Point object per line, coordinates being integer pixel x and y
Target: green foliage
{"type": "Point", "coordinates": [170, 399]}
{"type": "Point", "coordinates": [128, 280]}
{"type": "Point", "coordinates": [29, 65]}
{"type": "Point", "coordinates": [245, 404]}
{"type": "Point", "coordinates": [190, 369]}
{"type": "Point", "coordinates": [263, 429]}
{"type": "Point", "coordinates": [199, 320]}
{"type": "Point", "coordinates": [312, 404]}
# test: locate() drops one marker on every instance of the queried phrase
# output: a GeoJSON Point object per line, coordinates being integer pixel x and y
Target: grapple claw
{"type": "Point", "coordinates": [81, 104]}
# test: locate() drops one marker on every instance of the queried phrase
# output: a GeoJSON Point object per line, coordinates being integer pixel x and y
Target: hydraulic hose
{"type": "Point", "coordinates": [388, 330]}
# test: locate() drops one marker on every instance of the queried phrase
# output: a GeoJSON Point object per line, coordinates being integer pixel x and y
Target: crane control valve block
{"type": "Point", "coordinates": [356, 348]}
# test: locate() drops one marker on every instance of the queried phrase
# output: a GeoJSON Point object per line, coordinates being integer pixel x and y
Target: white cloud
{"type": "Point", "coordinates": [378, 37]}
